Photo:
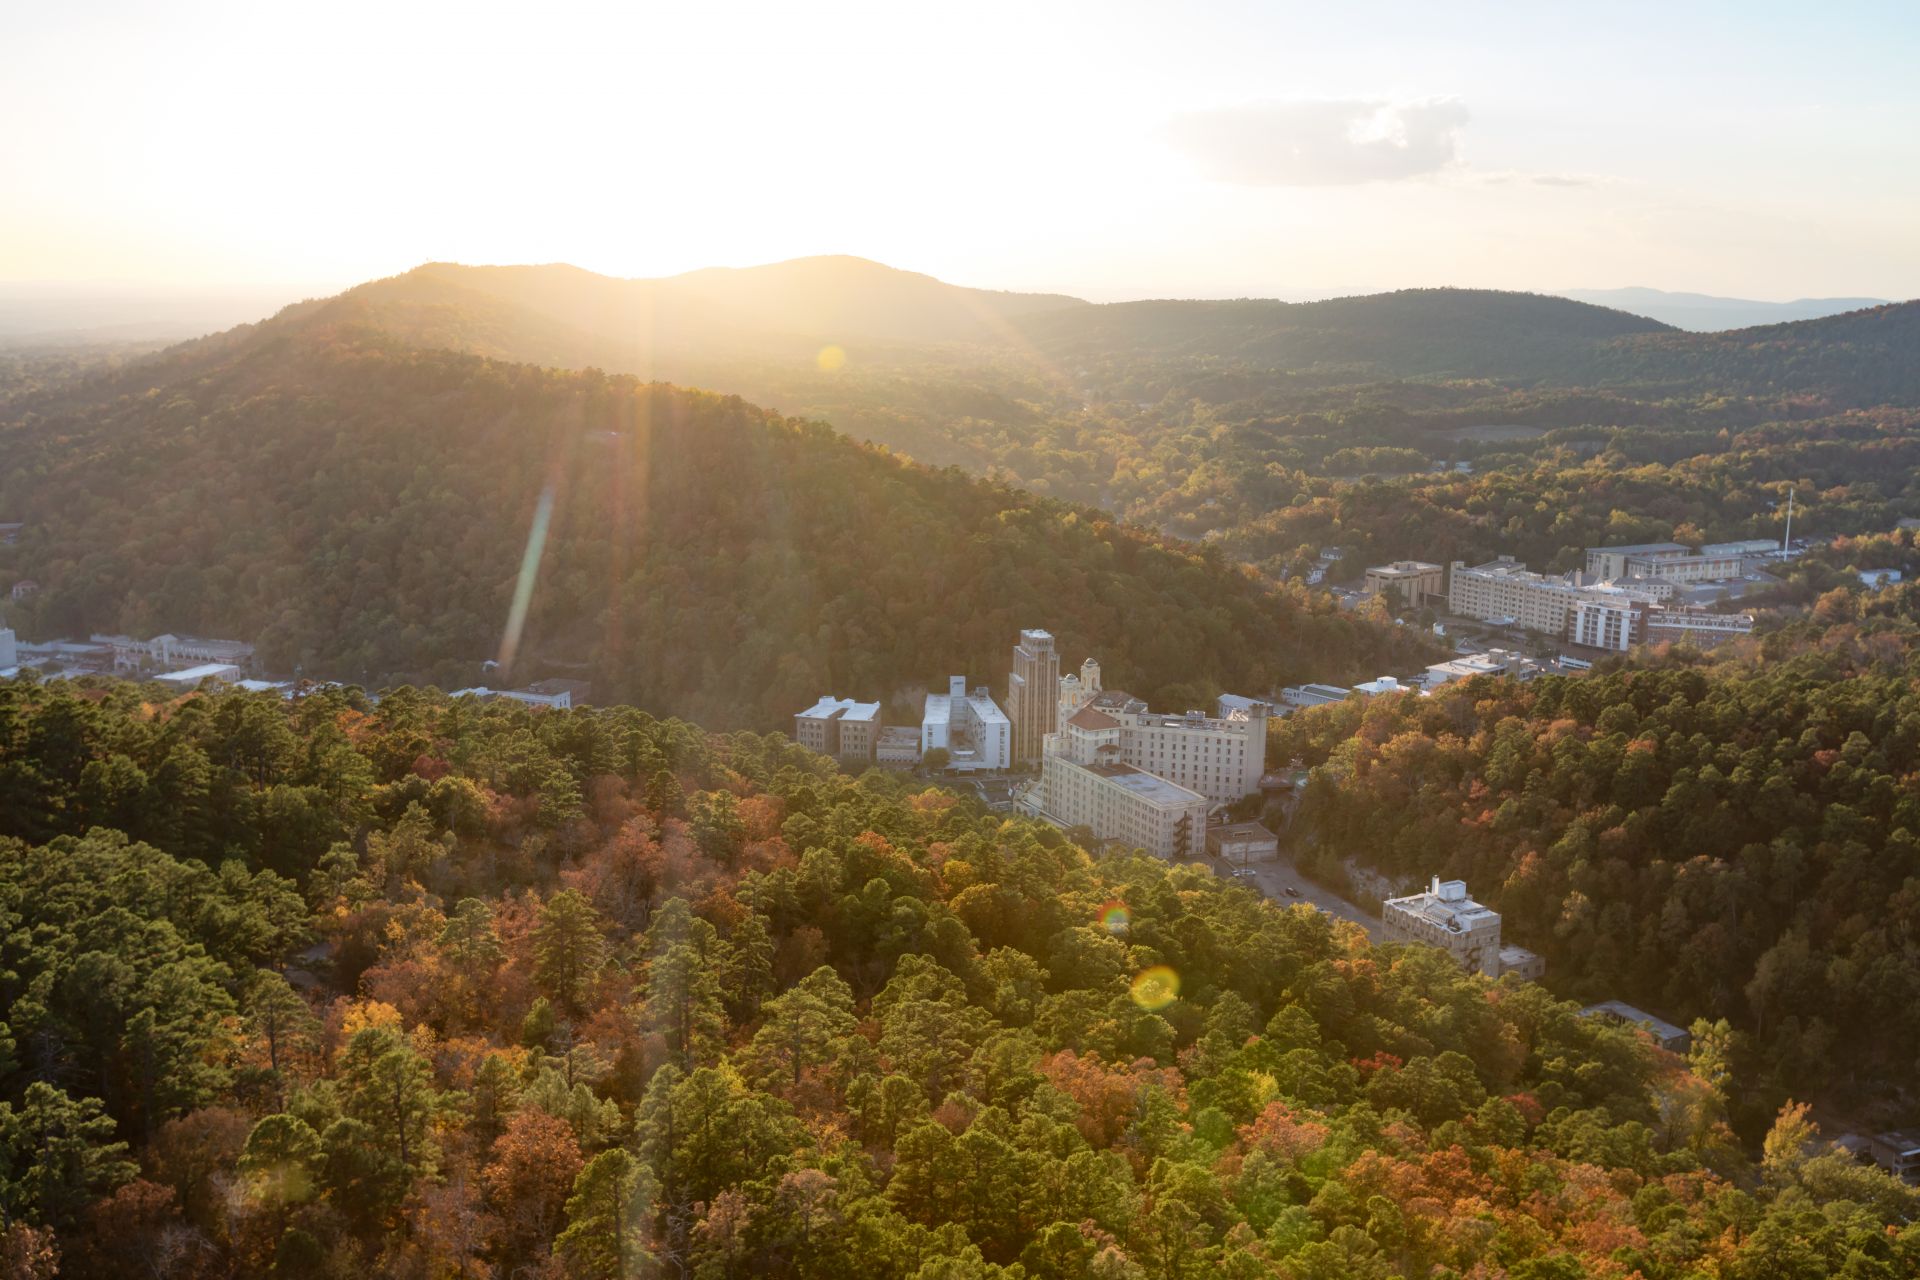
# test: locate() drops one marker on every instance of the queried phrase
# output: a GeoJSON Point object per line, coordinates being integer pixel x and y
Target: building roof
{"type": "Point", "coordinates": [1117, 700]}
{"type": "Point", "coordinates": [194, 675]}
{"type": "Point", "coordinates": [1240, 831]}
{"type": "Point", "coordinates": [1645, 549]}
{"type": "Point", "coordinates": [831, 708]}
{"type": "Point", "coordinates": [1446, 904]}
{"type": "Point", "coordinates": [1092, 719]}
{"type": "Point", "coordinates": [1620, 1009]}
{"type": "Point", "coordinates": [1148, 786]}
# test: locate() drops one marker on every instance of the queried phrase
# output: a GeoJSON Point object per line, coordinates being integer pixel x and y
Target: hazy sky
{"type": "Point", "coordinates": [1759, 149]}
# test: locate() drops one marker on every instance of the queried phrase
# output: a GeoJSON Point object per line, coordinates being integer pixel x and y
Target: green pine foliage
{"type": "Point", "coordinates": [877, 1032]}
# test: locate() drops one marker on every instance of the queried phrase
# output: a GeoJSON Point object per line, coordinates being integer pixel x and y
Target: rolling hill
{"type": "Point", "coordinates": [359, 506]}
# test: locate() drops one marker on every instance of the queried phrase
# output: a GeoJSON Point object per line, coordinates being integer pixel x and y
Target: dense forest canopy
{"type": "Point", "coordinates": [360, 509]}
{"type": "Point", "coordinates": [1739, 841]}
{"type": "Point", "coordinates": [430, 988]}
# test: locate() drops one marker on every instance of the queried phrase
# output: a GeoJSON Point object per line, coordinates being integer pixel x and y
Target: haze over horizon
{"type": "Point", "coordinates": [1246, 151]}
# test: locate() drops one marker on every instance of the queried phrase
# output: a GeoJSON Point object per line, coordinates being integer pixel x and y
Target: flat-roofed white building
{"type": "Point", "coordinates": [1494, 662]}
{"type": "Point", "coordinates": [1084, 782]}
{"type": "Point", "coordinates": [1295, 696]}
{"type": "Point", "coordinates": [969, 726]}
{"type": "Point", "coordinates": [1447, 917]}
{"type": "Point", "coordinates": [1614, 624]}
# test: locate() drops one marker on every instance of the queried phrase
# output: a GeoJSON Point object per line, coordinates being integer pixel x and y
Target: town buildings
{"type": "Point", "coordinates": [1418, 582]}
{"type": "Point", "coordinates": [1033, 694]}
{"type": "Point", "coordinates": [1085, 782]}
{"type": "Point", "coordinates": [1695, 626]}
{"type": "Point", "coordinates": [969, 726]}
{"type": "Point", "coordinates": [1504, 591]}
{"type": "Point", "coordinates": [847, 730]}
{"type": "Point", "coordinates": [1447, 917]}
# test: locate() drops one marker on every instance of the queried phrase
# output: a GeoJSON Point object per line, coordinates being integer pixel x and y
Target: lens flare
{"type": "Point", "coordinates": [529, 573]}
{"type": "Point", "coordinates": [831, 358]}
{"type": "Point", "coordinates": [1156, 988]}
{"type": "Point", "coordinates": [1113, 914]}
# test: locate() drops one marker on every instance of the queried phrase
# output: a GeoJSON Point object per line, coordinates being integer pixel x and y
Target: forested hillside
{"type": "Point", "coordinates": [1197, 417]}
{"type": "Point", "coordinates": [360, 509]}
{"type": "Point", "coordinates": [1740, 841]}
{"type": "Point", "coordinates": [325, 989]}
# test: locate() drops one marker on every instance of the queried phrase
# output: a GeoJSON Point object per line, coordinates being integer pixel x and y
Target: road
{"type": "Point", "coordinates": [1271, 877]}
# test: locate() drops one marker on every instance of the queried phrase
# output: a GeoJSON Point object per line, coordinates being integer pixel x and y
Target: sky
{"type": "Point", "coordinates": [1108, 150]}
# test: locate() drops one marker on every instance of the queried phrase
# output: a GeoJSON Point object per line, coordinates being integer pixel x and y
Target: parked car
{"type": "Point", "coordinates": [1292, 892]}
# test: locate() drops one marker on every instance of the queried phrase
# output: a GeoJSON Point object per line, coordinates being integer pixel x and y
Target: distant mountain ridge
{"type": "Point", "coordinates": [1706, 313]}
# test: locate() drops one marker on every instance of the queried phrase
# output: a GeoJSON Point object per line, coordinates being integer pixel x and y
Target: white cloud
{"type": "Point", "coordinates": [1321, 143]}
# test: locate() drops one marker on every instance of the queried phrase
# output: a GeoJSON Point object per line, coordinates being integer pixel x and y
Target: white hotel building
{"type": "Point", "coordinates": [1084, 782]}
{"type": "Point", "coordinates": [969, 726]}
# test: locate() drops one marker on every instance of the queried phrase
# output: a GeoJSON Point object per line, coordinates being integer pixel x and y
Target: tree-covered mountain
{"type": "Point", "coordinates": [429, 990]}
{"type": "Point", "coordinates": [360, 508]}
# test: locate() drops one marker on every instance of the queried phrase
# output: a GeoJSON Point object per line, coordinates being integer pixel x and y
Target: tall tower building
{"type": "Point", "coordinates": [1033, 694]}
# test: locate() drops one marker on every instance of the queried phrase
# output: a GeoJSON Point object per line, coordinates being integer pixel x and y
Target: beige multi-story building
{"type": "Point", "coordinates": [1417, 581]}
{"type": "Point", "coordinates": [847, 730]}
{"type": "Point", "coordinates": [1504, 591]}
{"type": "Point", "coordinates": [1222, 759]}
{"type": "Point", "coordinates": [1084, 782]}
{"type": "Point", "coordinates": [1447, 917]}
{"type": "Point", "coordinates": [1033, 694]}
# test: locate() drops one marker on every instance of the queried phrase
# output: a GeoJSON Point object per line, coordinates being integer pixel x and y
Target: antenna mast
{"type": "Point", "coordinates": [1786, 542]}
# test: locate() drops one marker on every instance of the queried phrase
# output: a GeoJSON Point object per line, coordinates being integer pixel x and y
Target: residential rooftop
{"type": "Point", "coordinates": [842, 709]}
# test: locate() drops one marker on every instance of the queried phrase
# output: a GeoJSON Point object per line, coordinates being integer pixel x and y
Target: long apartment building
{"type": "Point", "coordinates": [1033, 694]}
{"type": "Point", "coordinates": [1504, 590]}
{"type": "Point", "coordinates": [1221, 756]}
{"type": "Point", "coordinates": [1086, 782]}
